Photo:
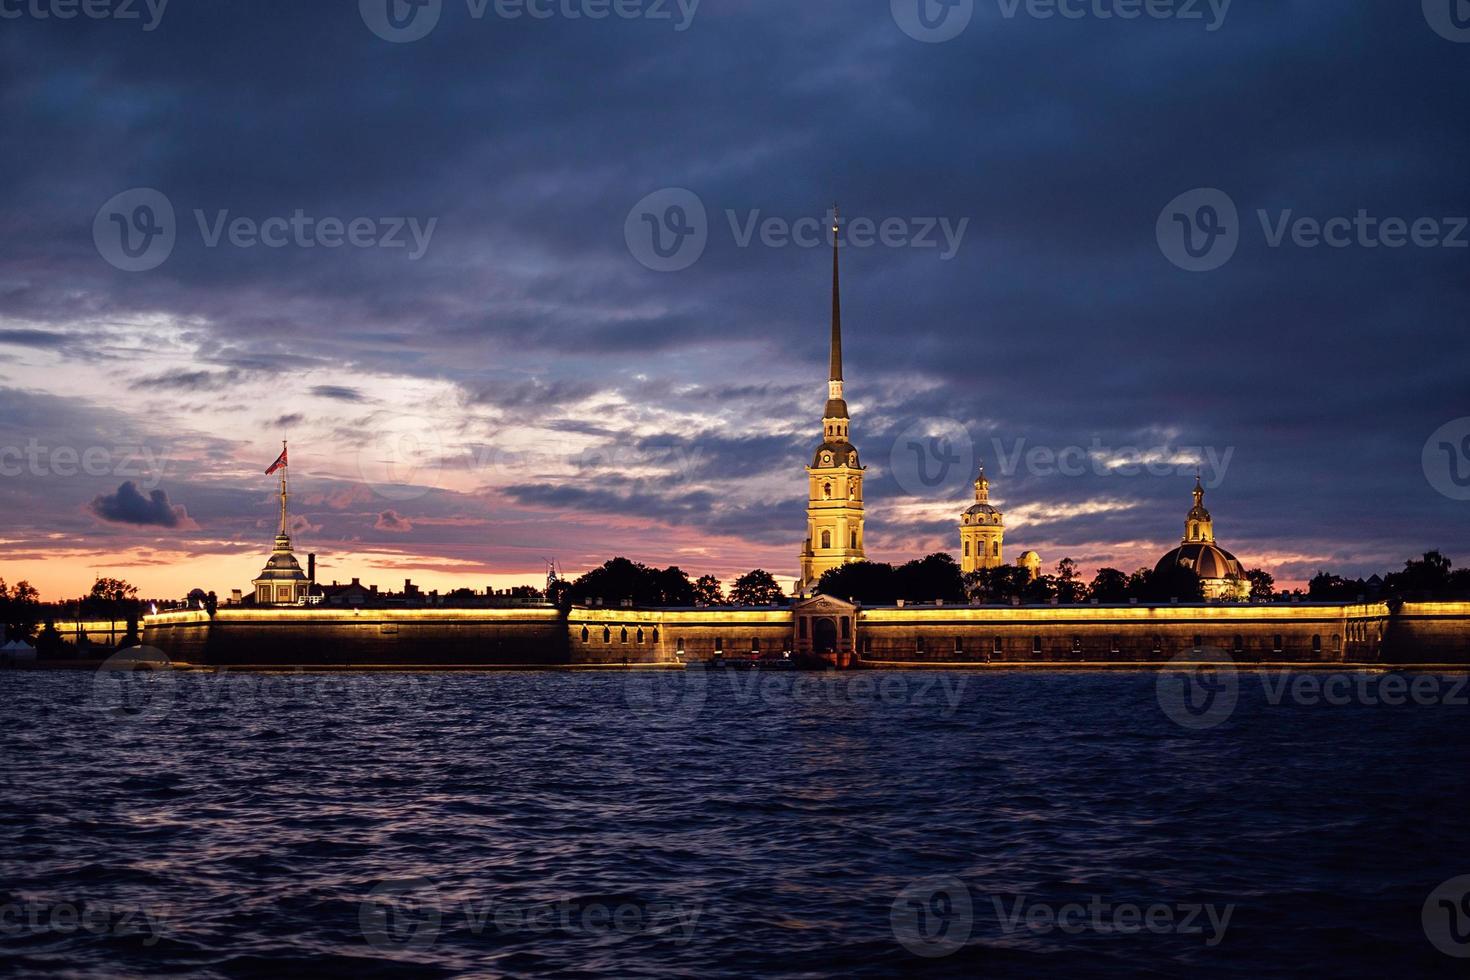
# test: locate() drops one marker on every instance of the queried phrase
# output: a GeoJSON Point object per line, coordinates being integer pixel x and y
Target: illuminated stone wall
{"type": "Point", "coordinates": [1299, 633]}
{"type": "Point", "coordinates": [361, 636]}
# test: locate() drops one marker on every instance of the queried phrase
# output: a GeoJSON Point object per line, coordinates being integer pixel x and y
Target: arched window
{"type": "Point", "coordinates": [625, 634]}
{"type": "Point", "coordinates": [585, 635]}
{"type": "Point", "coordinates": [826, 539]}
{"type": "Point", "coordinates": [640, 634]}
{"type": "Point", "coordinates": [827, 491]}
{"type": "Point", "coordinates": [607, 634]}
{"type": "Point", "coordinates": [655, 634]}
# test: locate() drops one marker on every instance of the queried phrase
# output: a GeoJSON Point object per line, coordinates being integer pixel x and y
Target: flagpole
{"type": "Point", "coordinates": [283, 491]}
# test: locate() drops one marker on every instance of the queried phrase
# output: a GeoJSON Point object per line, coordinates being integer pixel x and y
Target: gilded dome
{"type": "Point", "coordinates": [1207, 560]}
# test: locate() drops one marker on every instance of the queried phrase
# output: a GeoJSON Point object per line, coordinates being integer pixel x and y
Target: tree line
{"type": "Point", "coordinates": [937, 578]}
{"type": "Point", "coordinates": [621, 580]}
{"type": "Point", "coordinates": [1430, 577]}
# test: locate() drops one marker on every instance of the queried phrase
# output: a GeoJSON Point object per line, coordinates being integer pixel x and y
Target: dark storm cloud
{"type": "Point", "coordinates": [392, 521]}
{"type": "Point", "coordinates": [128, 506]}
{"type": "Point", "coordinates": [339, 393]}
{"type": "Point", "coordinates": [187, 380]}
{"type": "Point", "coordinates": [34, 338]}
{"type": "Point", "coordinates": [1058, 321]}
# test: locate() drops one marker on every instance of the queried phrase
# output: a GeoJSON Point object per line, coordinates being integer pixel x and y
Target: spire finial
{"type": "Point", "coordinates": [835, 374]}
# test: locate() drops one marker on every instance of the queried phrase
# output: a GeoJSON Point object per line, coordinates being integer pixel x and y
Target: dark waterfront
{"type": "Point", "coordinates": [728, 824]}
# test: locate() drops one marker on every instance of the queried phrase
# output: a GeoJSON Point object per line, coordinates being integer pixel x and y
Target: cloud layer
{"type": "Point", "coordinates": [527, 389]}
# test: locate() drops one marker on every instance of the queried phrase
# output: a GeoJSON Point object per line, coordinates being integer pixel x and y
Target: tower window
{"type": "Point", "coordinates": [967, 549]}
{"type": "Point", "coordinates": [995, 549]}
{"type": "Point", "coordinates": [854, 541]}
{"type": "Point", "coordinates": [826, 539]}
{"type": "Point", "coordinates": [827, 491]}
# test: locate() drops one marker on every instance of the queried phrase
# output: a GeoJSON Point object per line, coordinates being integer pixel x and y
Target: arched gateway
{"type": "Point", "coordinates": [826, 629]}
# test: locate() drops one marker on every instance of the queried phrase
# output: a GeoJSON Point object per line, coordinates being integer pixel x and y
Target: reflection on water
{"type": "Point", "coordinates": [1001, 823]}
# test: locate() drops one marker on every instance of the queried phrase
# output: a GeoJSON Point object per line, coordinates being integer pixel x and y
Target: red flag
{"type": "Point", "coordinates": [280, 461]}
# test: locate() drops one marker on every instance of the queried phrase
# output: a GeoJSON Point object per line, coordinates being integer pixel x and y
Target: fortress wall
{"type": "Point", "coordinates": [529, 635]}
{"type": "Point", "coordinates": [1354, 633]}
{"type": "Point", "coordinates": [1429, 632]}
{"type": "Point", "coordinates": [1307, 633]}
{"type": "Point", "coordinates": [674, 635]}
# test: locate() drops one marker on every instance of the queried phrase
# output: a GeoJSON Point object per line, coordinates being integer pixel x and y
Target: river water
{"type": "Point", "coordinates": [1002, 824]}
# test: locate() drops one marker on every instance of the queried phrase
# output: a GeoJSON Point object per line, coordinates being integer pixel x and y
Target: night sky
{"type": "Point", "coordinates": [490, 373]}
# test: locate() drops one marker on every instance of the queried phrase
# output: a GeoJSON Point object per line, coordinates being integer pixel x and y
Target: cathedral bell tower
{"type": "Point", "coordinates": [982, 531]}
{"type": "Point", "coordinates": [834, 510]}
